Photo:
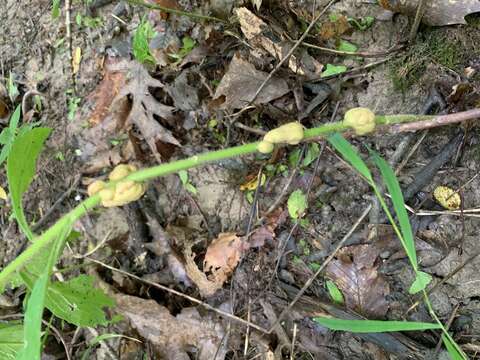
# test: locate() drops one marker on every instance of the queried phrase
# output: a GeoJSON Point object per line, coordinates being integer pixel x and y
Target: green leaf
{"type": "Point", "coordinates": [422, 279]}
{"type": "Point", "coordinates": [12, 88]}
{"type": "Point", "coordinates": [33, 320]}
{"type": "Point", "coordinates": [11, 340]}
{"type": "Point", "coordinates": [55, 9]}
{"type": "Point", "coordinates": [373, 326]}
{"type": "Point", "coordinates": [297, 203]}
{"type": "Point", "coordinates": [7, 136]}
{"type": "Point", "coordinates": [21, 169]}
{"type": "Point", "coordinates": [313, 151]}
{"type": "Point", "coordinates": [453, 349]}
{"type": "Point", "coordinates": [333, 70]}
{"type": "Point", "coordinates": [141, 40]}
{"type": "Point", "coordinates": [350, 154]}
{"type": "Point", "coordinates": [36, 303]}
{"type": "Point", "coordinates": [190, 188]}
{"type": "Point", "coordinates": [183, 174]}
{"type": "Point", "coordinates": [334, 292]}
{"type": "Point", "coordinates": [78, 302]}
{"type": "Point", "coordinates": [395, 191]}
{"type": "Point", "coordinates": [347, 46]}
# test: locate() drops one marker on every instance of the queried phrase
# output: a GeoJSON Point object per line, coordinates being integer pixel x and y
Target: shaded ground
{"type": "Point", "coordinates": [183, 105]}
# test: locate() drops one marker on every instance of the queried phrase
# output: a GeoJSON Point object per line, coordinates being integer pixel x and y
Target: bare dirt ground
{"type": "Point", "coordinates": [164, 237]}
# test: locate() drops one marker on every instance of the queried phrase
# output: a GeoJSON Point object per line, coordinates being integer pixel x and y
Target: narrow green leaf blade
{"type": "Point", "coordinates": [11, 340]}
{"type": "Point", "coordinates": [453, 350]}
{"type": "Point", "coordinates": [33, 320]}
{"type": "Point", "coordinates": [334, 292]}
{"type": "Point", "coordinates": [373, 326]}
{"type": "Point", "coordinates": [350, 154]}
{"type": "Point", "coordinates": [422, 279]}
{"type": "Point", "coordinates": [399, 205]}
{"type": "Point", "coordinates": [21, 169]}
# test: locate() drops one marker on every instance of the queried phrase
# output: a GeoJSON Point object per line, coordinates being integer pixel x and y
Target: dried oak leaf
{"type": "Point", "coordinates": [241, 81]}
{"type": "Point", "coordinates": [145, 106]}
{"type": "Point", "coordinates": [437, 12]}
{"type": "Point", "coordinates": [355, 273]}
{"type": "Point", "coordinates": [174, 336]}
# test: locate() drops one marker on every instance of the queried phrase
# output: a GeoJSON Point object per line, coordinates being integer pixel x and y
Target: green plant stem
{"type": "Point", "coordinates": [165, 169]}
{"type": "Point", "coordinates": [445, 332]}
{"type": "Point", "coordinates": [174, 11]}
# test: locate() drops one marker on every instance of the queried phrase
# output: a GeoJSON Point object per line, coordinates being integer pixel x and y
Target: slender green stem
{"type": "Point", "coordinates": [161, 170]}
{"type": "Point", "coordinates": [174, 11]}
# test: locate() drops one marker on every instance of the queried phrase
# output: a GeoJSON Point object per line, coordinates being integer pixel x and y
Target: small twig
{"type": "Point", "coordinates": [321, 268]}
{"type": "Point", "coordinates": [294, 337]}
{"type": "Point", "coordinates": [418, 18]}
{"type": "Point", "coordinates": [175, 11]}
{"type": "Point", "coordinates": [68, 36]}
{"type": "Point", "coordinates": [447, 326]}
{"type": "Point", "coordinates": [389, 51]}
{"type": "Point", "coordinates": [440, 120]}
{"type": "Point", "coordinates": [178, 293]}
{"type": "Point", "coordinates": [411, 152]}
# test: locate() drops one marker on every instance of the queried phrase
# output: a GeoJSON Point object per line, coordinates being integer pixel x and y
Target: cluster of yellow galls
{"type": "Point", "coordinates": [119, 192]}
{"type": "Point", "coordinates": [361, 120]}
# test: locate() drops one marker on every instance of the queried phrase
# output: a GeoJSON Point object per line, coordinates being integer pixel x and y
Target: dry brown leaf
{"type": "Point", "coordinates": [241, 81]}
{"type": "Point", "coordinates": [205, 286]}
{"type": "Point", "coordinates": [174, 336]}
{"type": "Point", "coordinates": [223, 254]}
{"type": "Point", "coordinates": [355, 273]}
{"type": "Point", "coordinates": [260, 36]}
{"type": "Point", "coordinates": [145, 107]}
{"type": "Point", "coordinates": [437, 12]}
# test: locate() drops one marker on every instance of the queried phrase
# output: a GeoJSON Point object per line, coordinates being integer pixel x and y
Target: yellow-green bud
{"type": "Point", "coordinates": [362, 120]}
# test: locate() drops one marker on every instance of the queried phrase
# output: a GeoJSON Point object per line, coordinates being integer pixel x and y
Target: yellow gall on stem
{"type": "Point", "coordinates": [361, 120]}
{"type": "Point", "coordinates": [291, 133]}
{"type": "Point", "coordinates": [121, 171]}
{"type": "Point", "coordinates": [95, 187]}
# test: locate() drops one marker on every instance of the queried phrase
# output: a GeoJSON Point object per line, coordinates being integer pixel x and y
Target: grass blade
{"type": "Point", "coordinates": [350, 154]}
{"type": "Point", "coordinates": [373, 326]}
{"type": "Point", "coordinates": [36, 303]}
{"type": "Point", "coordinates": [453, 351]}
{"type": "Point", "coordinates": [21, 169]}
{"type": "Point", "coordinates": [399, 205]}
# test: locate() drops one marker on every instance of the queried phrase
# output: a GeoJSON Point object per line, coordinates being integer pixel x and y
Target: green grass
{"type": "Point", "coordinates": [404, 233]}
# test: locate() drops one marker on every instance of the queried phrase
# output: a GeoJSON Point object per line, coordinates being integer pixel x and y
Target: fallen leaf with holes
{"type": "Point", "coordinates": [221, 258]}
{"type": "Point", "coordinates": [355, 273]}
{"type": "Point", "coordinates": [333, 29]}
{"type": "Point", "coordinates": [145, 107]}
{"type": "Point", "coordinates": [437, 12]}
{"type": "Point", "coordinates": [260, 36]}
{"type": "Point", "coordinates": [241, 81]}
{"type": "Point", "coordinates": [174, 336]}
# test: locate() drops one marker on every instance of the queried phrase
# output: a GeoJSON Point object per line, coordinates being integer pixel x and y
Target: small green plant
{"type": "Point", "coordinates": [141, 40]}
{"type": "Point", "coordinates": [188, 44]}
{"type": "Point", "coordinates": [55, 9]}
{"type": "Point", "coordinates": [297, 204]}
{"type": "Point", "coordinates": [334, 292]}
{"type": "Point", "coordinates": [187, 185]}
{"type": "Point", "coordinates": [333, 70]}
